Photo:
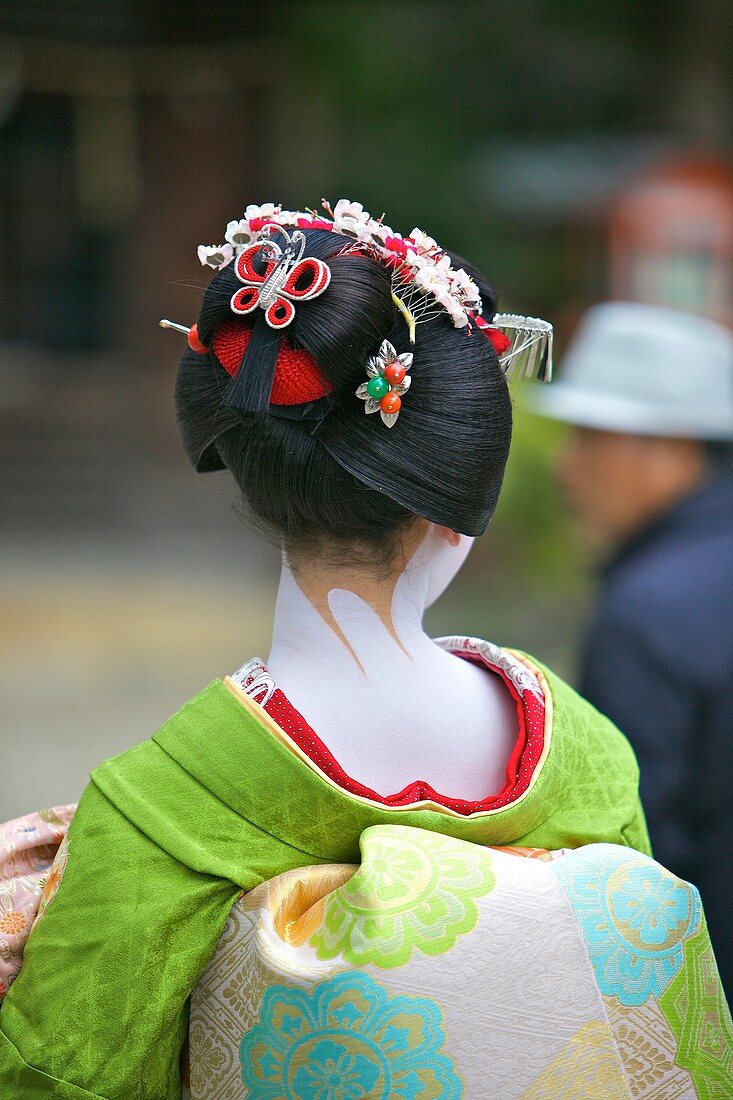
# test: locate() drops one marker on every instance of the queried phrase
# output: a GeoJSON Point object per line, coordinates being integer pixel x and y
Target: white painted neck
{"type": "Point", "coordinates": [351, 654]}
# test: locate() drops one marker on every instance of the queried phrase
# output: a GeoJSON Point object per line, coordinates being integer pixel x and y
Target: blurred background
{"type": "Point", "coordinates": [525, 134]}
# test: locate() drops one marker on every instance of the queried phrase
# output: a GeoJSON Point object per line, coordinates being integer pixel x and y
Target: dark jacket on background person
{"type": "Point", "coordinates": [659, 662]}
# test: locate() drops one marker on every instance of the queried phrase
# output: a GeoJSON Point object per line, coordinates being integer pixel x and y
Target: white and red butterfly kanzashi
{"type": "Point", "coordinates": [287, 278]}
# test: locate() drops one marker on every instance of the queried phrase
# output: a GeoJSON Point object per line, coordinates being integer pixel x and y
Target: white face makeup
{"type": "Point", "coordinates": [390, 704]}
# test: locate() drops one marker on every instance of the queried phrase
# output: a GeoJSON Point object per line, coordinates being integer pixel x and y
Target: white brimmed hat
{"type": "Point", "coordinates": [645, 370]}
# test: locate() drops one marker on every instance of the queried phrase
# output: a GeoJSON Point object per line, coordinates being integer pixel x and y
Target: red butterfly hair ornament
{"type": "Point", "coordinates": [287, 278]}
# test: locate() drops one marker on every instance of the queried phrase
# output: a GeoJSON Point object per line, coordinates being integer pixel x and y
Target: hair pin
{"type": "Point", "coordinates": [409, 318]}
{"type": "Point", "coordinates": [529, 354]}
{"type": "Point", "coordinates": [388, 381]}
{"type": "Point", "coordinates": [191, 334]}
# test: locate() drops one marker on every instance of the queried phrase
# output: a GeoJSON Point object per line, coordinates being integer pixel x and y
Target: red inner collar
{"type": "Point", "coordinates": [521, 765]}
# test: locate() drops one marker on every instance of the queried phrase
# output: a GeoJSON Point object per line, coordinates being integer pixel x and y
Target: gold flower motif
{"type": "Point", "coordinates": [13, 923]}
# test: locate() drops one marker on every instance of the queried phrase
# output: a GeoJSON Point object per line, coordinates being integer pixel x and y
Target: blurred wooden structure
{"type": "Point", "coordinates": [127, 135]}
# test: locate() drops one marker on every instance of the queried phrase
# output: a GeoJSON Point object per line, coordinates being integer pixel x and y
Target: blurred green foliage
{"type": "Point", "coordinates": [531, 526]}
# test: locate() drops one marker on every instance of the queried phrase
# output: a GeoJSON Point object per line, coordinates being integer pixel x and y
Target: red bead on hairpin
{"type": "Point", "coordinates": [191, 334]}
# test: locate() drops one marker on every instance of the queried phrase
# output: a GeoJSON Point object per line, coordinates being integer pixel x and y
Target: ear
{"type": "Point", "coordinates": [450, 536]}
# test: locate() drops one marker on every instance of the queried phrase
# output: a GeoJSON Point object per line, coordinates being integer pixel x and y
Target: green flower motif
{"type": "Point", "coordinates": [415, 890]}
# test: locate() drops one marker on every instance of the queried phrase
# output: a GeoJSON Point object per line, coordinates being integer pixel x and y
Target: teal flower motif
{"type": "Point", "coordinates": [335, 1074]}
{"type": "Point", "coordinates": [653, 913]}
{"type": "Point", "coordinates": [346, 1039]}
{"type": "Point", "coordinates": [635, 917]}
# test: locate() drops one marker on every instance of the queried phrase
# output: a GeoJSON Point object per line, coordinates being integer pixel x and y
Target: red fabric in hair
{"type": "Point", "coordinates": [499, 339]}
{"type": "Point", "coordinates": [297, 377]}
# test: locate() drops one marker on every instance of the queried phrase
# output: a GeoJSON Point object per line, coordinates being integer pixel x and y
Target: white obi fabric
{"type": "Point", "coordinates": [443, 969]}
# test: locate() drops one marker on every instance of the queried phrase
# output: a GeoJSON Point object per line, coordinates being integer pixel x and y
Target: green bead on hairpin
{"type": "Point", "coordinates": [377, 387]}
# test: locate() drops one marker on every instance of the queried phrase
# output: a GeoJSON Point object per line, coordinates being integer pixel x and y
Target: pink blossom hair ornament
{"type": "Point", "coordinates": [424, 282]}
{"type": "Point", "coordinates": [387, 382]}
{"type": "Point", "coordinates": [287, 277]}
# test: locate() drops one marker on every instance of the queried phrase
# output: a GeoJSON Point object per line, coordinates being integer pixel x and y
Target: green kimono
{"type": "Point", "coordinates": [169, 835]}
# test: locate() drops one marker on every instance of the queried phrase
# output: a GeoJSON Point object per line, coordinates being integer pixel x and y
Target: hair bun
{"type": "Point", "coordinates": [315, 463]}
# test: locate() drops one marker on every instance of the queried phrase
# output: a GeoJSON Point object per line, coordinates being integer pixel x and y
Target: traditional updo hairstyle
{"type": "Point", "coordinates": [320, 473]}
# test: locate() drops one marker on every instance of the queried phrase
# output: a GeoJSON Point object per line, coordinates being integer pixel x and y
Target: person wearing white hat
{"type": "Point", "coordinates": [646, 470]}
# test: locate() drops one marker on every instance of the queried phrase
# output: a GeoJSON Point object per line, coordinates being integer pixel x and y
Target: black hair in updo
{"type": "Point", "coordinates": [335, 475]}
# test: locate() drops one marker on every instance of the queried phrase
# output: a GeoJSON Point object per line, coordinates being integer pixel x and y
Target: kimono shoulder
{"type": "Point", "coordinates": [156, 854]}
{"type": "Point", "coordinates": [587, 784]}
{"type": "Point", "coordinates": [198, 788]}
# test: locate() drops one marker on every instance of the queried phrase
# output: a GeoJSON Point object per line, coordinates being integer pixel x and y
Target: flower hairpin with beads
{"type": "Point", "coordinates": [387, 383]}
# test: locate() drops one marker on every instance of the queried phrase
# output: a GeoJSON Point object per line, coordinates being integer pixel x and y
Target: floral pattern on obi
{"type": "Point", "coordinates": [345, 1039]}
{"type": "Point", "coordinates": [414, 890]}
{"type": "Point", "coordinates": [635, 917]}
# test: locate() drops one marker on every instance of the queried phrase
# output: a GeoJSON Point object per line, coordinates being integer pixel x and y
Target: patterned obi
{"type": "Point", "coordinates": [443, 969]}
